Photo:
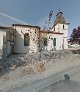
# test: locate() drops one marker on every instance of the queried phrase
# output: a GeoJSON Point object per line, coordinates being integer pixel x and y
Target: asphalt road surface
{"type": "Point", "coordinates": [72, 85]}
{"type": "Point", "coordinates": [55, 83]}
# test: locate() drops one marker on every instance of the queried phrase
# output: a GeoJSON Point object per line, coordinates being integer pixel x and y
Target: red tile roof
{"type": "Point", "coordinates": [51, 32]}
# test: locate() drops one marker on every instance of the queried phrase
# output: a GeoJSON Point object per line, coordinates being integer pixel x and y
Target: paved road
{"type": "Point", "coordinates": [55, 83]}
{"type": "Point", "coordinates": [72, 85]}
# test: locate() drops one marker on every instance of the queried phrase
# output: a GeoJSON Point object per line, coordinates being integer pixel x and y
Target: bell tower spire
{"type": "Point", "coordinates": [60, 18]}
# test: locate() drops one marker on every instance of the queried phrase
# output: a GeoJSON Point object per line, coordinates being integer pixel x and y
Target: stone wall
{"type": "Point", "coordinates": [2, 42]}
{"type": "Point", "coordinates": [10, 36]}
{"type": "Point", "coordinates": [7, 36]}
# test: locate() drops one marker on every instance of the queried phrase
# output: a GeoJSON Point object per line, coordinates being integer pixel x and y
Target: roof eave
{"type": "Point", "coordinates": [26, 25]}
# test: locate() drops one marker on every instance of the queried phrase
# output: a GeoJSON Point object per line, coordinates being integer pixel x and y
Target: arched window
{"type": "Point", "coordinates": [26, 39]}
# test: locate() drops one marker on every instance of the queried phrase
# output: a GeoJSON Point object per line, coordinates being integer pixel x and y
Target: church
{"type": "Point", "coordinates": [22, 39]}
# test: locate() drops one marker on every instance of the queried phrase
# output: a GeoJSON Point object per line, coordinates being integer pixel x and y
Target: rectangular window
{"type": "Point", "coordinates": [63, 26]}
{"type": "Point", "coordinates": [26, 39]}
{"type": "Point", "coordinates": [54, 42]}
{"type": "Point", "coordinates": [45, 41]}
{"type": "Point", "coordinates": [54, 28]}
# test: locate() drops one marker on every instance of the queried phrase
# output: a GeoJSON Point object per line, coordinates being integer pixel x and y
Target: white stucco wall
{"type": "Point", "coordinates": [65, 43]}
{"type": "Point", "coordinates": [59, 28]}
{"type": "Point", "coordinates": [59, 42]}
{"type": "Point", "coordinates": [19, 40]}
{"type": "Point", "coordinates": [65, 36]}
{"type": "Point", "coordinates": [61, 39]}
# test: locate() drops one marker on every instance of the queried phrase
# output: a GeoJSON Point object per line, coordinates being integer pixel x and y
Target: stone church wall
{"type": "Point", "coordinates": [33, 36]}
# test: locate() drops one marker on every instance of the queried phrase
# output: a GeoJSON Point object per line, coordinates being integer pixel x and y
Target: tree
{"type": "Point", "coordinates": [75, 36]}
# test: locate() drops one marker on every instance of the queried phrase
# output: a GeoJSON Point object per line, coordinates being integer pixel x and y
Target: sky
{"type": "Point", "coordinates": [36, 12]}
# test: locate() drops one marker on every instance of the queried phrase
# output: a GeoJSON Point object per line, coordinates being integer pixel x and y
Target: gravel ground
{"type": "Point", "coordinates": [18, 70]}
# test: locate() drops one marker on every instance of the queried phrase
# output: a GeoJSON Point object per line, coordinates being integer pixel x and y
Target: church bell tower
{"type": "Point", "coordinates": [61, 26]}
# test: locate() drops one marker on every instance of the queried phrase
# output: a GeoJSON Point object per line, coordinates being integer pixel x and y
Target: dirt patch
{"type": "Point", "coordinates": [39, 67]}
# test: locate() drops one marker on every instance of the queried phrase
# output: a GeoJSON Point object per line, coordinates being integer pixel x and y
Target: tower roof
{"type": "Point", "coordinates": [60, 18]}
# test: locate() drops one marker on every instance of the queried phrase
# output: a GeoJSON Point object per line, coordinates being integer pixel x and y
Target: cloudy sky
{"type": "Point", "coordinates": [36, 12]}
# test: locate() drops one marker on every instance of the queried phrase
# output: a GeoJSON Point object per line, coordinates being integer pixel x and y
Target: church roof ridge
{"type": "Point", "coordinates": [26, 25]}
